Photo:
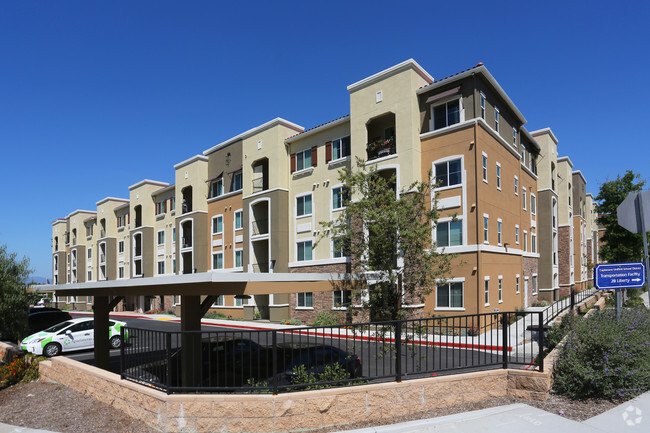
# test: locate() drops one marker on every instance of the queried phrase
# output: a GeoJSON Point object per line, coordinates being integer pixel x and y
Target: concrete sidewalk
{"type": "Point", "coordinates": [632, 416]}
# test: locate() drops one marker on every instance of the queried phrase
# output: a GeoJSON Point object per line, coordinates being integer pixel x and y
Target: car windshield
{"type": "Point", "coordinates": [58, 326]}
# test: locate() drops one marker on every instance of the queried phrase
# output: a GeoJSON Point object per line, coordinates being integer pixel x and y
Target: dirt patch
{"type": "Point", "coordinates": [50, 406]}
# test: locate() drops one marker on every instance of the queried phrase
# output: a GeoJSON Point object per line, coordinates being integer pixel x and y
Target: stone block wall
{"type": "Point", "coordinates": [304, 411]}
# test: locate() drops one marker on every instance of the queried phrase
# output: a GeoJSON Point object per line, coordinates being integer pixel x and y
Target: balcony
{"type": "Point", "coordinates": [260, 227]}
{"type": "Point", "coordinates": [186, 242]}
{"type": "Point", "coordinates": [261, 267]}
{"type": "Point", "coordinates": [381, 148]}
{"type": "Point", "coordinates": [258, 184]}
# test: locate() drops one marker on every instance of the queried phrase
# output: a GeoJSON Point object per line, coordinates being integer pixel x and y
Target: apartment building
{"type": "Point", "coordinates": [254, 203]}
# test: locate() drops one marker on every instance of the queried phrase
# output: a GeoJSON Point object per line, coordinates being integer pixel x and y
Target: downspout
{"type": "Point", "coordinates": [478, 253]}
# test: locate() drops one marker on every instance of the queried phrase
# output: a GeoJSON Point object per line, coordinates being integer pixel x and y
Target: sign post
{"type": "Point", "coordinates": [634, 215]}
{"type": "Point", "coordinates": [619, 276]}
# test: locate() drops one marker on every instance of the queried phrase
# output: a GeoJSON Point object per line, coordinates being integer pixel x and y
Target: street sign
{"type": "Point", "coordinates": [634, 212]}
{"type": "Point", "coordinates": [619, 275]}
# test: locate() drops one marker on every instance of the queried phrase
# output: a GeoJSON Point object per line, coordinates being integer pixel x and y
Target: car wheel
{"type": "Point", "coordinates": [116, 342]}
{"type": "Point", "coordinates": [52, 349]}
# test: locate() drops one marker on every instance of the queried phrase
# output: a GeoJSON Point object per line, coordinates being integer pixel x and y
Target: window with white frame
{"type": "Point", "coordinates": [516, 234]}
{"type": "Point", "coordinates": [305, 300]}
{"type": "Point", "coordinates": [449, 295]}
{"type": "Point", "coordinates": [523, 195]}
{"type": "Point", "coordinates": [340, 148]}
{"type": "Point", "coordinates": [525, 240]}
{"type": "Point", "coordinates": [523, 154]}
{"type": "Point", "coordinates": [216, 188]}
{"type": "Point", "coordinates": [446, 114]}
{"type": "Point", "coordinates": [303, 160]}
{"type": "Point", "coordinates": [161, 238]}
{"type": "Point", "coordinates": [120, 247]}
{"type": "Point", "coordinates": [341, 298]}
{"type": "Point", "coordinates": [220, 301]}
{"type": "Point", "coordinates": [534, 284]}
{"type": "Point", "coordinates": [498, 176]}
{"type": "Point", "coordinates": [482, 106]}
{"type": "Point", "coordinates": [121, 221]}
{"type": "Point", "coordinates": [486, 290]}
{"type": "Point", "coordinates": [160, 207]}
{"type": "Point", "coordinates": [239, 258]}
{"type": "Point", "coordinates": [533, 242]}
{"type": "Point", "coordinates": [338, 198]}
{"type": "Point", "coordinates": [499, 224]}
{"type": "Point", "coordinates": [217, 260]}
{"type": "Point", "coordinates": [517, 283]}
{"type": "Point", "coordinates": [448, 173]}
{"type": "Point", "coordinates": [514, 137]}
{"type": "Point", "coordinates": [303, 251]}
{"type": "Point", "coordinates": [161, 267]}
{"type": "Point", "coordinates": [173, 266]}
{"type": "Point", "coordinates": [485, 170]}
{"type": "Point", "coordinates": [90, 253]}
{"type": "Point", "coordinates": [217, 224]}
{"type": "Point", "coordinates": [339, 248]}
{"type": "Point", "coordinates": [533, 204]}
{"type": "Point", "coordinates": [500, 289]}
{"type": "Point", "coordinates": [496, 119]}
{"type": "Point", "coordinates": [173, 235]}
{"type": "Point", "coordinates": [449, 233]}
{"type": "Point", "coordinates": [303, 205]}
{"type": "Point", "coordinates": [236, 181]}
{"type": "Point", "coordinates": [120, 272]}
{"type": "Point", "coordinates": [516, 185]}
{"type": "Point", "coordinates": [486, 237]}
{"type": "Point", "coordinates": [239, 219]}
{"type": "Point", "coordinates": [239, 302]}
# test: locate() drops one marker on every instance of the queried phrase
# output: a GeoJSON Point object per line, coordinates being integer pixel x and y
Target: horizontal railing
{"type": "Point", "coordinates": [281, 360]}
{"type": "Point", "coordinates": [568, 302]}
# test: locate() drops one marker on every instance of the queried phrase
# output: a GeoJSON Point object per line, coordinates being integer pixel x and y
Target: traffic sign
{"type": "Point", "coordinates": [634, 212]}
{"type": "Point", "coordinates": [620, 275]}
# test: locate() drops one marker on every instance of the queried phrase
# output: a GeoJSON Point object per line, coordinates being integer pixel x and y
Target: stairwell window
{"type": "Point", "coordinates": [446, 114]}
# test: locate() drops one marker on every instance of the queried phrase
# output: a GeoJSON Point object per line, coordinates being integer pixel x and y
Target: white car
{"type": "Point", "coordinates": [75, 334]}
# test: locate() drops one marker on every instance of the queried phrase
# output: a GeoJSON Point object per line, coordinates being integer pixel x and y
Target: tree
{"type": "Point", "coordinates": [388, 238]}
{"type": "Point", "coordinates": [620, 245]}
{"type": "Point", "coordinates": [14, 297]}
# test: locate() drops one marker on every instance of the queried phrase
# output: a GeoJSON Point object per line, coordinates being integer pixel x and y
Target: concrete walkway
{"type": "Point", "coordinates": [632, 416]}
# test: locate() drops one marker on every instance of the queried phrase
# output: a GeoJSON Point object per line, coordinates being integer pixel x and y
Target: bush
{"type": "Point", "coordinates": [12, 372]}
{"type": "Point", "coordinates": [326, 319]}
{"type": "Point", "coordinates": [606, 358]}
{"type": "Point", "coordinates": [559, 330]}
{"type": "Point", "coordinates": [214, 315]}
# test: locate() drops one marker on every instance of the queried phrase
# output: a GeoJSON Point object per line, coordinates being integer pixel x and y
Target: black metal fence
{"type": "Point", "coordinates": [254, 361]}
{"type": "Point", "coordinates": [568, 302]}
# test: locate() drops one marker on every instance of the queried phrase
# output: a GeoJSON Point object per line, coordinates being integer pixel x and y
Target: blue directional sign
{"type": "Point", "coordinates": [620, 275]}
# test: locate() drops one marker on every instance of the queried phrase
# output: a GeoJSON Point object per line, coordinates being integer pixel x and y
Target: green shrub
{"type": "Point", "coordinates": [214, 315]}
{"type": "Point", "coordinates": [559, 330]}
{"type": "Point", "coordinates": [326, 319]}
{"type": "Point", "coordinates": [606, 358]}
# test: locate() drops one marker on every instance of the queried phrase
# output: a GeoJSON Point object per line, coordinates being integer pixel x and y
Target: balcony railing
{"type": "Point", "coordinates": [261, 267]}
{"type": "Point", "coordinates": [381, 148]}
{"type": "Point", "coordinates": [186, 242]}
{"type": "Point", "coordinates": [260, 227]}
{"type": "Point", "coordinates": [258, 184]}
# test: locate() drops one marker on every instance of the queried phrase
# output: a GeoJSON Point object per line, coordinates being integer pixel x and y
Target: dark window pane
{"type": "Point", "coordinates": [454, 172]}
{"type": "Point", "coordinates": [442, 234]}
{"type": "Point", "coordinates": [456, 295]}
{"type": "Point", "coordinates": [453, 112]}
{"type": "Point", "coordinates": [443, 295]}
{"type": "Point", "coordinates": [439, 117]}
{"type": "Point", "coordinates": [455, 233]}
{"type": "Point", "coordinates": [441, 174]}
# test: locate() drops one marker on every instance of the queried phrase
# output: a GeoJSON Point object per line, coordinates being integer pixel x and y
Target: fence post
{"type": "Point", "coordinates": [540, 340]}
{"type": "Point", "coordinates": [168, 350]}
{"type": "Point", "coordinates": [504, 339]}
{"type": "Point", "coordinates": [122, 333]}
{"type": "Point", "coordinates": [274, 340]}
{"type": "Point", "coordinates": [398, 349]}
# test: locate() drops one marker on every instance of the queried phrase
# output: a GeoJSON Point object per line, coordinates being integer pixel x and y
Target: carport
{"type": "Point", "coordinates": [190, 287]}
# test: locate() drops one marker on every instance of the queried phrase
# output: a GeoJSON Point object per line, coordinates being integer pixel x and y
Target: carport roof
{"type": "Point", "coordinates": [205, 283]}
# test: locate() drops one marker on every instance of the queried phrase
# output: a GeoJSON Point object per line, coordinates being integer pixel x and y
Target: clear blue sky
{"type": "Point", "coordinates": [96, 96]}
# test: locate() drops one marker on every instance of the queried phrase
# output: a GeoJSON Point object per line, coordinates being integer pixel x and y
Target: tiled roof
{"type": "Point", "coordinates": [478, 65]}
{"type": "Point", "coordinates": [318, 126]}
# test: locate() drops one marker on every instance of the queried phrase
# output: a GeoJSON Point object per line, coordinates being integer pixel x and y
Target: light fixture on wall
{"type": "Point", "coordinates": [228, 158]}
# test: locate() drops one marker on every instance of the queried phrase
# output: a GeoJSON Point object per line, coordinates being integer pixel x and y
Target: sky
{"type": "Point", "coordinates": [97, 96]}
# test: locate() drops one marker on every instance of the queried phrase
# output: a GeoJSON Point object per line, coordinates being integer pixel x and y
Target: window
{"type": "Point", "coordinates": [239, 302]}
{"type": "Point", "coordinates": [340, 148]}
{"type": "Point", "coordinates": [500, 289]}
{"type": "Point", "coordinates": [217, 225]}
{"type": "Point", "coordinates": [121, 221]}
{"type": "Point", "coordinates": [303, 205]}
{"type": "Point", "coordinates": [499, 222]}
{"type": "Point", "coordinates": [89, 231]}
{"type": "Point", "coordinates": [90, 276]}
{"type": "Point", "coordinates": [239, 258]}
{"type": "Point", "coordinates": [446, 114]}
{"type": "Point", "coordinates": [303, 160]}
{"type": "Point", "coordinates": [496, 119]}
{"type": "Point", "coordinates": [498, 176]}
{"type": "Point", "coordinates": [173, 266]}
{"type": "Point", "coordinates": [239, 215]}
{"type": "Point", "coordinates": [448, 173]}
{"type": "Point", "coordinates": [304, 251]}
{"type": "Point", "coordinates": [173, 235]}
{"type": "Point", "coordinates": [339, 248]}
{"type": "Point", "coordinates": [217, 188]}
{"type": "Point", "coordinates": [517, 234]}
{"type": "Point", "coordinates": [161, 268]}
{"type": "Point", "coordinates": [449, 295]}
{"type": "Point", "coordinates": [525, 240]}
{"type": "Point", "coordinates": [486, 290]}
{"type": "Point", "coordinates": [516, 185]}
{"type": "Point", "coordinates": [339, 197]}
{"type": "Point", "coordinates": [517, 283]}
{"type": "Point", "coordinates": [305, 300]}
{"type": "Point", "coordinates": [161, 207]}
{"type": "Point", "coordinates": [523, 195]}
{"type": "Point", "coordinates": [120, 272]}
{"type": "Point", "coordinates": [486, 237]}
{"type": "Point", "coordinates": [236, 181]}
{"type": "Point", "coordinates": [341, 298]}
{"type": "Point", "coordinates": [161, 237]}
{"type": "Point", "coordinates": [533, 204]}
{"type": "Point", "coordinates": [449, 233]}
{"type": "Point", "coordinates": [534, 283]}
{"type": "Point", "coordinates": [220, 302]}
{"type": "Point", "coordinates": [514, 137]}
{"type": "Point", "coordinates": [482, 106]}
{"type": "Point", "coordinates": [217, 261]}
{"type": "Point", "coordinates": [523, 154]}
{"type": "Point", "coordinates": [90, 253]}
{"type": "Point", "coordinates": [485, 177]}
{"type": "Point", "coordinates": [533, 242]}
{"type": "Point", "coordinates": [120, 247]}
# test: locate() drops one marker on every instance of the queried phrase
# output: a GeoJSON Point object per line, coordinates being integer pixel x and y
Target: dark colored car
{"type": "Point", "coordinates": [42, 318]}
